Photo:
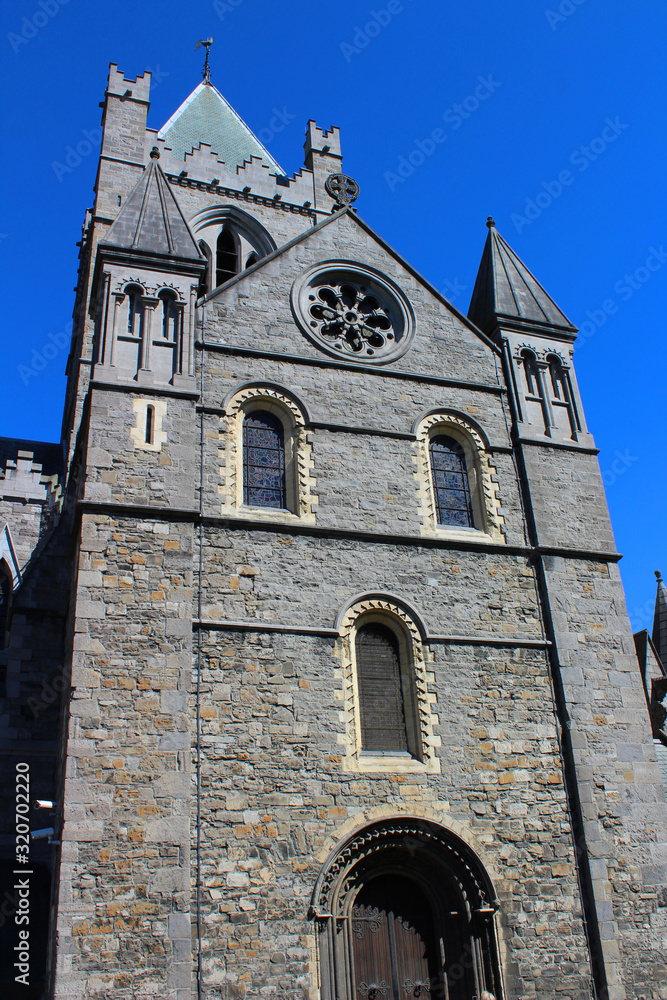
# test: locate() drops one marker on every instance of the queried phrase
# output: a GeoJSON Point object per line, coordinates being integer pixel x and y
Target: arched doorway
{"type": "Point", "coordinates": [406, 910]}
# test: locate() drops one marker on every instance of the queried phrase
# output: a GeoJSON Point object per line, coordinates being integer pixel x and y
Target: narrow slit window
{"type": "Point", "coordinates": [150, 421]}
{"type": "Point", "coordinates": [264, 461]}
{"type": "Point", "coordinates": [381, 694]}
{"type": "Point", "coordinates": [451, 486]}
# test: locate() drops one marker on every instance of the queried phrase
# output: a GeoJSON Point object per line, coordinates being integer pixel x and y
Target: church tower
{"type": "Point", "coordinates": [350, 701]}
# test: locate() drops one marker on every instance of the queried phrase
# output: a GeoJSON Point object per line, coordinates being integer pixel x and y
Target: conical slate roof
{"type": "Point", "coordinates": [505, 289]}
{"type": "Point", "coordinates": [205, 116]}
{"type": "Point", "coordinates": [151, 218]}
{"type": "Point", "coordinates": [660, 621]}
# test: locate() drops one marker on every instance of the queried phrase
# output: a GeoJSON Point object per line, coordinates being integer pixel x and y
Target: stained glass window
{"type": "Point", "coordinates": [450, 482]}
{"type": "Point", "coordinates": [263, 461]}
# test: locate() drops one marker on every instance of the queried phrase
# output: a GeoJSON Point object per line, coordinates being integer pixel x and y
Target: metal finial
{"type": "Point", "coordinates": [206, 72]}
{"type": "Point", "coordinates": [155, 153]}
{"type": "Point", "coordinates": [490, 223]}
{"type": "Point", "coordinates": [658, 575]}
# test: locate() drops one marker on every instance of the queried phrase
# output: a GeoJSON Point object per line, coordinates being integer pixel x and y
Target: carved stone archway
{"type": "Point", "coordinates": [405, 909]}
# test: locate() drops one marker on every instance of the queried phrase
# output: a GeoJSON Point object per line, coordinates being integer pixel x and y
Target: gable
{"type": "Point", "coordinates": [258, 305]}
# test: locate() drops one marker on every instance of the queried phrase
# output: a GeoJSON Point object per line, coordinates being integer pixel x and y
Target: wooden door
{"type": "Point", "coordinates": [394, 952]}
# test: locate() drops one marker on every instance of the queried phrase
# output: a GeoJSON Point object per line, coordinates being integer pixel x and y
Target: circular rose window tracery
{"type": "Point", "coordinates": [353, 312]}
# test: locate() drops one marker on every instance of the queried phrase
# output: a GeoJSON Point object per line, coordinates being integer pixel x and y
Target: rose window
{"type": "Point", "coordinates": [353, 312]}
{"type": "Point", "coordinates": [350, 318]}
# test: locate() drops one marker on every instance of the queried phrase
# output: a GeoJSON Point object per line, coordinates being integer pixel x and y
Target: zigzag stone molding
{"type": "Point", "coordinates": [353, 759]}
{"type": "Point", "coordinates": [298, 458]}
{"type": "Point", "coordinates": [482, 477]}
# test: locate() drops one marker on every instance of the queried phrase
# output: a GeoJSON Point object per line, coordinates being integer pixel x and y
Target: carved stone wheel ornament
{"type": "Point", "coordinates": [353, 312]}
{"type": "Point", "coordinates": [343, 189]}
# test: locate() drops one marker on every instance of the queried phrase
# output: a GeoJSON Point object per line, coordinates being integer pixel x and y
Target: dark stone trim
{"type": "Point", "coordinates": [563, 445]}
{"type": "Point", "coordinates": [120, 159]}
{"type": "Point", "coordinates": [212, 625]}
{"type": "Point", "coordinates": [257, 199]}
{"type": "Point", "coordinates": [585, 554]}
{"type": "Point", "coordinates": [143, 390]}
{"type": "Point", "coordinates": [138, 510]}
{"type": "Point", "coordinates": [253, 626]}
{"type": "Point", "coordinates": [496, 390]}
{"type": "Point", "coordinates": [489, 640]}
{"type": "Point", "coordinates": [313, 530]}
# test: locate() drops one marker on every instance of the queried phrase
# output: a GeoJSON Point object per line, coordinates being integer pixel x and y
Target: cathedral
{"type": "Point", "coordinates": [315, 667]}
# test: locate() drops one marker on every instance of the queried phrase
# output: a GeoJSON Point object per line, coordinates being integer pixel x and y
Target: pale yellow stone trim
{"type": "Point", "coordinates": [483, 489]}
{"type": "Point", "coordinates": [415, 654]}
{"type": "Point", "coordinates": [298, 457]}
{"type": "Point", "coordinates": [138, 432]}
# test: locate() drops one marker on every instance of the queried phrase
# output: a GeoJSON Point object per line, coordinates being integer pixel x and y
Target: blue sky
{"type": "Point", "coordinates": [522, 92]}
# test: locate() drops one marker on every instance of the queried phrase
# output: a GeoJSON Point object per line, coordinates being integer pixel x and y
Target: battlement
{"type": "Point", "coordinates": [320, 141]}
{"type": "Point", "coordinates": [119, 85]}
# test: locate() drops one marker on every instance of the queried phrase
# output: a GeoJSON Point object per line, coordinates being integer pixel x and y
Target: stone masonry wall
{"type": "Point", "coordinates": [275, 800]}
{"type": "Point", "coordinates": [123, 924]}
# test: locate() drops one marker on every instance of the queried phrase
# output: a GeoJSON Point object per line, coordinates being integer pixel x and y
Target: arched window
{"type": "Point", "coordinates": [252, 259]}
{"type": "Point", "coordinates": [561, 398]}
{"type": "Point", "coordinates": [226, 265]}
{"type": "Point", "coordinates": [169, 316]}
{"type": "Point", "coordinates": [206, 280]}
{"type": "Point", "coordinates": [263, 460]}
{"type": "Point", "coordinates": [533, 380]}
{"type": "Point", "coordinates": [451, 487]}
{"type": "Point", "coordinates": [382, 694]}
{"type": "Point", "coordinates": [135, 311]}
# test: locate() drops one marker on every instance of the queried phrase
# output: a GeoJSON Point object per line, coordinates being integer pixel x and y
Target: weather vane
{"type": "Point", "coordinates": [206, 73]}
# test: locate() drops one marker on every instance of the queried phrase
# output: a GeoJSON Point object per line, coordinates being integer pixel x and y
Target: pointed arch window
{"type": "Point", "coordinates": [264, 461]}
{"type": "Point", "coordinates": [451, 485]}
{"type": "Point", "coordinates": [226, 264]}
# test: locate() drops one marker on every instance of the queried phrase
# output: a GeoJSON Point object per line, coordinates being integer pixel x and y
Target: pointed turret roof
{"type": "Point", "coordinates": [151, 218]}
{"type": "Point", "coordinates": [505, 290]}
{"type": "Point", "coordinates": [660, 621]}
{"type": "Point", "coordinates": [205, 116]}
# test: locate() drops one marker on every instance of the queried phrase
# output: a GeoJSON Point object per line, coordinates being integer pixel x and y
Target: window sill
{"type": "Point", "coordinates": [272, 515]}
{"type": "Point", "coordinates": [390, 762]}
{"type": "Point", "coordinates": [460, 534]}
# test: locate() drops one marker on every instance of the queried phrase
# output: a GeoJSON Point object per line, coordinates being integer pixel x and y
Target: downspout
{"type": "Point", "coordinates": [200, 975]}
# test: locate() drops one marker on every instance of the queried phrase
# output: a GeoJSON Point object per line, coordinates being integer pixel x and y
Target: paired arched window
{"type": "Point", "coordinates": [230, 240]}
{"type": "Point", "coordinates": [451, 484]}
{"type": "Point", "coordinates": [264, 481]}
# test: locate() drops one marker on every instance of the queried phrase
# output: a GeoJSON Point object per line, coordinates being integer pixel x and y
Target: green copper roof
{"type": "Point", "coordinates": [207, 117]}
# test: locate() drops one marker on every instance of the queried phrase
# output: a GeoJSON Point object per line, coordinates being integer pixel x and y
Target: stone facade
{"type": "Point", "coordinates": [216, 802]}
